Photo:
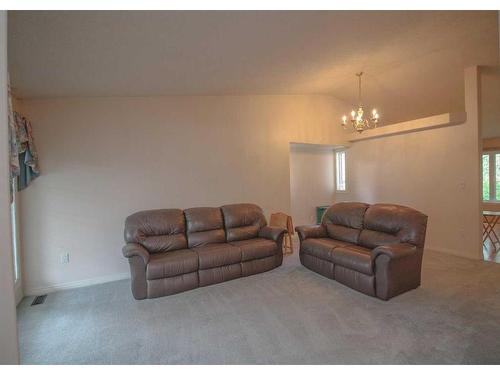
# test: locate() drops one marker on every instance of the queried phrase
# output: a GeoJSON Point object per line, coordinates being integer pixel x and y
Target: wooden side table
{"type": "Point", "coordinates": [490, 219]}
{"type": "Point", "coordinates": [282, 220]}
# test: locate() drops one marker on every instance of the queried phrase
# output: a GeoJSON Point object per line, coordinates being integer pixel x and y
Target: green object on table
{"type": "Point", "coordinates": [320, 210]}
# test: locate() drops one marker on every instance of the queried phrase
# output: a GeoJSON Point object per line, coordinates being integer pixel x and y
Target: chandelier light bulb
{"type": "Point", "coordinates": [353, 114]}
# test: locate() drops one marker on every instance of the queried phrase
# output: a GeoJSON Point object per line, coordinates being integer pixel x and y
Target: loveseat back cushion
{"type": "Point", "coordinates": [344, 221]}
{"type": "Point", "coordinates": [204, 226]}
{"type": "Point", "coordinates": [157, 230]}
{"type": "Point", "coordinates": [242, 221]}
{"type": "Point", "coordinates": [390, 223]}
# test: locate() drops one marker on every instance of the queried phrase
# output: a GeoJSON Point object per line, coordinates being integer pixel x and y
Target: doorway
{"type": "Point", "coordinates": [490, 161]}
{"type": "Point", "coordinates": [312, 181]}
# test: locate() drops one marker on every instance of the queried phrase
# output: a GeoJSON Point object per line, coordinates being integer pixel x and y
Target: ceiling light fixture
{"type": "Point", "coordinates": [357, 121]}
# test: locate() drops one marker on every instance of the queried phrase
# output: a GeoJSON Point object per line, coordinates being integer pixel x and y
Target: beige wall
{"type": "Point", "coordinates": [8, 329]}
{"type": "Point", "coordinates": [311, 181]}
{"type": "Point", "coordinates": [103, 159]}
{"type": "Point", "coordinates": [491, 144]}
{"type": "Point", "coordinates": [490, 102]}
{"type": "Point", "coordinates": [435, 171]}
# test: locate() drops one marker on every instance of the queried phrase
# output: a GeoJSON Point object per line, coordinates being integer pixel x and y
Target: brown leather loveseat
{"type": "Point", "coordinates": [171, 250]}
{"type": "Point", "coordinates": [375, 249]}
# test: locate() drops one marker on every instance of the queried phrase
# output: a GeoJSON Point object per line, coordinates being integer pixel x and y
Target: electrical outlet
{"type": "Point", "coordinates": [461, 233]}
{"type": "Point", "coordinates": [64, 258]}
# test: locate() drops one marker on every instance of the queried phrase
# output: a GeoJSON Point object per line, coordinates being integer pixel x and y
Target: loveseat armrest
{"type": "Point", "coordinates": [397, 269]}
{"type": "Point", "coordinates": [271, 233]}
{"type": "Point", "coordinates": [135, 249]}
{"type": "Point", "coordinates": [311, 231]}
{"type": "Point", "coordinates": [394, 251]}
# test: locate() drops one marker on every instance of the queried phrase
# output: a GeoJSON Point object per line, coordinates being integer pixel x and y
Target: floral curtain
{"type": "Point", "coordinates": [23, 156]}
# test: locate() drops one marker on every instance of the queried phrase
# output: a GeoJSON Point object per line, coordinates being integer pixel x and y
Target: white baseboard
{"type": "Point", "coordinates": [446, 251]}
{"type": "Point", "coordinates": [18, 291]}
{"type": "Point", "coordinates": [36, 291]}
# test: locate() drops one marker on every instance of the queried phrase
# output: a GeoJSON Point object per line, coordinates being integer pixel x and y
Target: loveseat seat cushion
{"type": "Point", "coordinates": [204, 226]}
{"type": "Point", "coordinates": [256, 248]}
{"type": "Point", "coordinates": [321, 247]}
{"type": "Point", "coordinates": [344, 221]}
{"type": "Point", "coordinates": [157, 230]}
{"type": "Point", "coordinates": [217, 255]}
{"type": "Point", "coordinates": [242, 221]}
{"type": "Point", "coordinates": [353, 258]}
{"type": "Point", "coordinates": [372, 239]}
{"type": "Point", "coordinates": [171, 263]}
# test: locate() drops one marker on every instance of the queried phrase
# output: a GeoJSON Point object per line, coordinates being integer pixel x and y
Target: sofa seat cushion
{"type": "Point", "coordinates": [353, 258]}
{"type": "Point", "coordinates": [321, 247]}
{"type": "Point", "coordinates": [171, 263]}
{"type": "Point", "coordinates": [256, 248]}
{"type": "Point", "coordinates": [217, 255]}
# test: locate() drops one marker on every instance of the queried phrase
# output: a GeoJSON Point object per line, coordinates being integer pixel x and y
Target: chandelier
{"type": "Point", "coordinates": [357, 121]}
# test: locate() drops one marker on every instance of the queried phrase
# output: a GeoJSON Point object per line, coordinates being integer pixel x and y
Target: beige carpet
{"type": "Point", "coordinates": [287, 316]}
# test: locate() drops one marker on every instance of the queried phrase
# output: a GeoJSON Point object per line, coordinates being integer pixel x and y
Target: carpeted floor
{"type": "Point", "coordinates": [287, 316]}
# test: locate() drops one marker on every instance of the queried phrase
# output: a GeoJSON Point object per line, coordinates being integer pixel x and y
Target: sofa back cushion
{"type": "Point", "coordinates": [242, 221]}
{"type": "Point", "coordinates": [344, 221]}
{"type": "Point", "coordinates": [389, 223]}
{"type": "Point", "coordinates": [157, 230]}
{"type": "Point", "coordinates": [204, 226]}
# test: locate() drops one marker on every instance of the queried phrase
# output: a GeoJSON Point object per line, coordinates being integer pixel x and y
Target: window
{"type": "Point", "coordinates": [340, 170]}
{"type": "Point", "coordinates": [491, 176]}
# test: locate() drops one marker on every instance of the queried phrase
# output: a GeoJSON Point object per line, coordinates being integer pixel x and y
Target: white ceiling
{"type": "Point", "coordinates": [413, 61]}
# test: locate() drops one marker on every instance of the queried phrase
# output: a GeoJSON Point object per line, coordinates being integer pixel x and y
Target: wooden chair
{"type": "Point", "coordinates": [282, 220]}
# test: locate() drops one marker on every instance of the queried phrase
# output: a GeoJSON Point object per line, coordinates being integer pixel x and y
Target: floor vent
{"type": "Point", "coordinates": [39, 300]}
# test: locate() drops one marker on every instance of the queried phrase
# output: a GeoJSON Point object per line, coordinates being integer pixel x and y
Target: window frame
{"type": "Point", "coordinates": [14, 216]}
{"type": "Point", "coordinates": [343, 172]}
{"type": "Point", "coordinates": [491, 175]}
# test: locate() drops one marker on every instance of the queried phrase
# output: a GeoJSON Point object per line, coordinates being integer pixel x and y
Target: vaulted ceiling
{"type": "Point", "coordinates": [413, 60]}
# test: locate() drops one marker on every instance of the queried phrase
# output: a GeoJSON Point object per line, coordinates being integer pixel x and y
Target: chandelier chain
{"type": "Point", "coordinates": [359, 87]}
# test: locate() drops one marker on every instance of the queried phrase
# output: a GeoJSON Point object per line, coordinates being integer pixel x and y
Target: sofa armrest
{"type": "Point", "coordinates": [134, 249]}
{"type": "Point", "coordinates": [311, 231]}
{"type": "Point", "coordinates": [394, 251]}
{"type": "Point", "coordinates": [271, 233]}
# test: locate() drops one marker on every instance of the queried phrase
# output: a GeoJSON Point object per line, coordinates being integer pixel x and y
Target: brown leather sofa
{"type": "Point", "coordinates": [375, 249]}
{"type": "Point", "coordinates": [171, 250]}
